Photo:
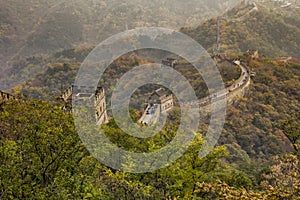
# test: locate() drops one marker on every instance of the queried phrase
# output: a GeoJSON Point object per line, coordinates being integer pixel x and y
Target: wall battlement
{"type": "Point", "coordinates": [232, 93]}
{"type": "Point", "coordinates": [87, 92]}
{"type": "Point", "coordinates": [5, 97]}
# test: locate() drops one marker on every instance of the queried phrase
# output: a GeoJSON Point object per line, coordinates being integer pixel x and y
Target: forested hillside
{"type": "Point", "coordinates": [38, 26]}
{"type": "Point", "coordinates": [261, 135]}
{"type": "Point", "coordinates": [253, 131]}
{"type": "Point", "coordinates": [63, 66]}
{"type": "Point", "coordinates": [43, 158]}
{"type": "Point", "coordinates": [41, 154]}
{"type": "Point", "coordinates": [274, 32]}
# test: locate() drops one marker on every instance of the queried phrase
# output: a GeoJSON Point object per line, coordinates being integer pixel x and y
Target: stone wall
{"type": "Point", "coordinates": [238, 93]}
{"type": "Point", "coordinates": [5, 97]}
{"type": "Point", "coordinates": [231, 97]}
{"type": "Point", "coordinates": [100, 105]}
{"type": "Point", "coordinates": [87, 92]}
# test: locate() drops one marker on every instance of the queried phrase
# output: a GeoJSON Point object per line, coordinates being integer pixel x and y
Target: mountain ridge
{"type": "Point", "coordinates": [271, 32]}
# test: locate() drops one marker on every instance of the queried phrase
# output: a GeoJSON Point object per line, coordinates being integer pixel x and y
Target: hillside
{"type": "Point", "coordinates": [42, 156]}
{"type": "Point", "coordinates": [34, 26]}
{"type": "Point", "coordinates": [31, 28]}
{"type": "Point", "coordinates": [250, 122]}
{"type": "Point", "coordinates": [252, 129]}
{"type": "Point", "coordinates": [273, 30]}
{"type": "Point", "coordinates": [256, 159]}
{"type": "Point", "coordinates": [62, 68]}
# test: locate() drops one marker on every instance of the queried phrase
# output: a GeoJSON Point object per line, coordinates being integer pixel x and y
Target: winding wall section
{"type": "Point", "coordinates": [234, 92]}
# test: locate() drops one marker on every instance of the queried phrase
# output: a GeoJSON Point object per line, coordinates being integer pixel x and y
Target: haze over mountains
{"type": "Point", "coordinates": [270, 28]}
{"type": "Point", "coordinates": [35, 27]}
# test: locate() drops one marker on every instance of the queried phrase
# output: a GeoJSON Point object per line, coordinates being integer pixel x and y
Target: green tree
{"type": "Point", "coordinates": [41, 155]}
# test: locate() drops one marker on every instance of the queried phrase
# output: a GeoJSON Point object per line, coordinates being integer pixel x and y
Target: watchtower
{"type": "Point", "coordinates": [87, 93]}
{"type": "Point", "coordinates": [162, 98]}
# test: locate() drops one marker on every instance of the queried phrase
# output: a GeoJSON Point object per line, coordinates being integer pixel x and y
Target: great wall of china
{"type": "Point", "coordinates": [234, 92]}
{"type": "Point", "coordinates": [85, 92]}
{"type": "Point", "coordinates": [5, 97]}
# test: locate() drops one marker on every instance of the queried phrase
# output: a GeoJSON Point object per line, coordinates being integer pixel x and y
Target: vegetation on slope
{"type": "Point", "coordinates": [271, 32]}
{"type": "Point", "coordinates": [43, 158]}
{"type": "Point", "coordinates": [61, 70]}
{"type": "Point", "coordinates": [39, 26]}
{"type": "Point", "coordinates": [257, 157]}
{"type": "Point", "coordinates": [42, 154]}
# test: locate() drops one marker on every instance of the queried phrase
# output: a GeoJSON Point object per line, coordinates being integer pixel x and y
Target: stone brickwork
{"type": "Point", "coordinates": [5, 97]}
{"type": "Point", "coordinates": [85, 92]}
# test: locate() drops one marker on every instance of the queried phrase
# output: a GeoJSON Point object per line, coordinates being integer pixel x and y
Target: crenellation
{"type": "Point", "coordinates": [97, 95]}
{"type": "Point", "coordinates": [162, 98]}
{"type": "Point", "coordinates": [170, 62]}
{"type": "Point", "coordinates": [5, 97]}
{"type": "Point", "coordinates": [66, 94]}
{"type": "Point", "coordinates": [253, 54]}
{"type": "Point", "coordinates": [159, 102]}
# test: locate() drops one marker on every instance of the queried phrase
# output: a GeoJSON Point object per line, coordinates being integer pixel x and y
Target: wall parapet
{"type": "Point", "coordinates": [5, 97]}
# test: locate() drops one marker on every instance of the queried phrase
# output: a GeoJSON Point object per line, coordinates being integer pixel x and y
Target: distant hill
{"type": "Point", "coordinates": [35, 27]}
{"type": "Point", "coordinates": [273, 30]}
{"type": "Point", "coordinates": [30, 28]}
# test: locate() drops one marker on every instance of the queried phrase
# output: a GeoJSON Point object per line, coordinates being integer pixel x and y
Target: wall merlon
{"type": "Point", "coordinates": [5, 97]}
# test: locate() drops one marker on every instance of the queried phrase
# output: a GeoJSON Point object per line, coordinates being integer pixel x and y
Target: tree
{"type": "Point", "coordinates": [41, 154]}
{"type": "Point", "coordinates": [291, 128]}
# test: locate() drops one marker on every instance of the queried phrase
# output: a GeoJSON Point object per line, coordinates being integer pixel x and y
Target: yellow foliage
{"type": "Point", "coordinates": [58, 64]}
